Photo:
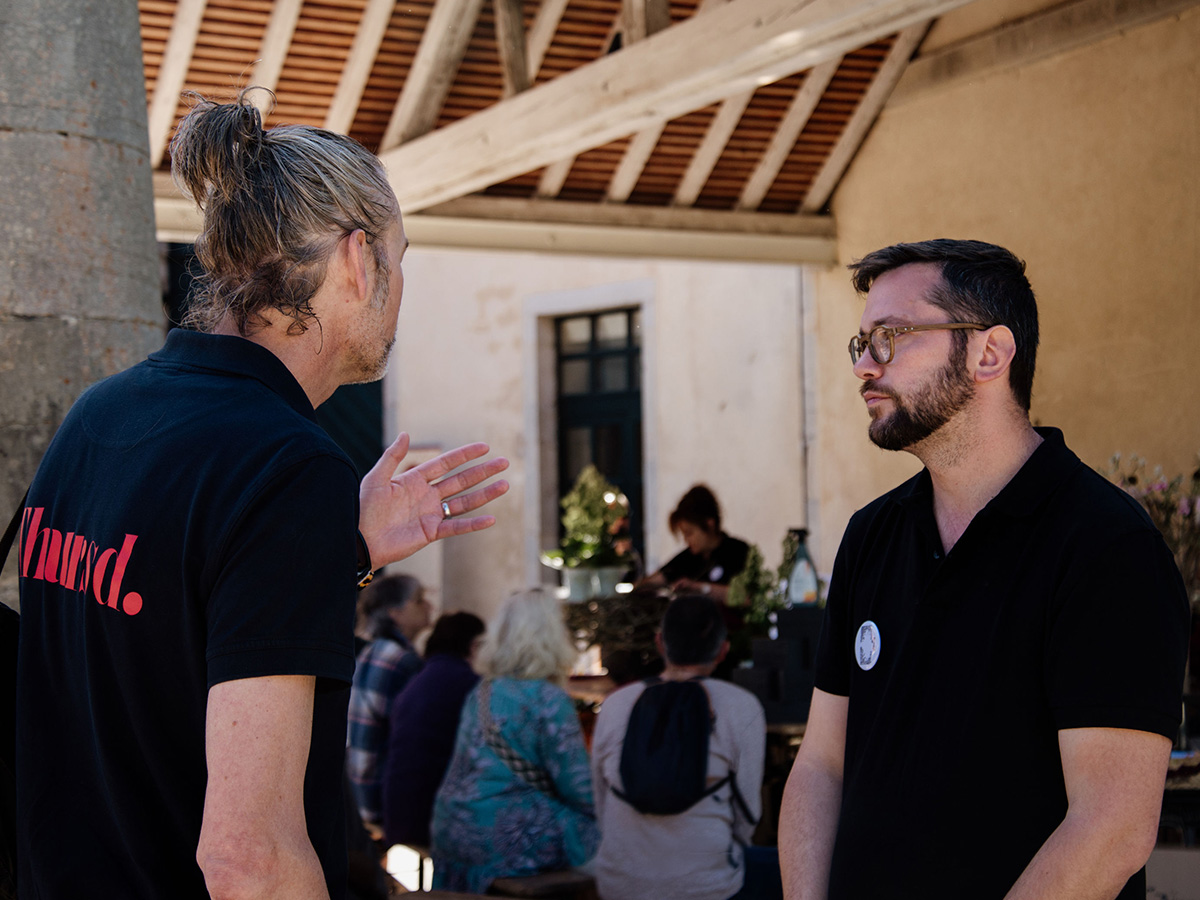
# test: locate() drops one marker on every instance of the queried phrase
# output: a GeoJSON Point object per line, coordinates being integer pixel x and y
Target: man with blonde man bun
{"type": "Point", "coordinates": [192, 541]}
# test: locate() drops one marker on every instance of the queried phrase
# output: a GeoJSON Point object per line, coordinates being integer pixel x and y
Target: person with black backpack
{"type": "Point", "coordinates": [677, 765]}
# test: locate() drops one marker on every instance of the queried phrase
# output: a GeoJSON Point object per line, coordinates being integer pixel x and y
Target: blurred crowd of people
{"type": "Point", "coordinates": [473, 752]}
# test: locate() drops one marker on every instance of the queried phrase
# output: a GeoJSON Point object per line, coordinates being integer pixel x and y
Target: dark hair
{"type": "Point", "coordinates": [692, 631]}
{"type": "Point", "coordinates": [980, 283]}
{"type": "Point", "coordinates": [453, 633]}
{"type": "Point", "coordinates": [275, 202]}
{"type": "Point", "coordinates": [377, 601]}
{"type": "Point", "coordinates": [698, 506]}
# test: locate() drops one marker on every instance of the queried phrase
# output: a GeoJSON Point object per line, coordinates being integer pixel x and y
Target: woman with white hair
{"type": "Point", "coordinates": [517, 797]}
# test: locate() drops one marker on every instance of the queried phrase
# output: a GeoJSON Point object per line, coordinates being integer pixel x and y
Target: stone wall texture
{"type": "Point", "coordinates": [79, 270]}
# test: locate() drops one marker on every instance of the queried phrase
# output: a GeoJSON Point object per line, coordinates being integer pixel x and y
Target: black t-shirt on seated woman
{"type": "Point", "coordinates": [720, 566]}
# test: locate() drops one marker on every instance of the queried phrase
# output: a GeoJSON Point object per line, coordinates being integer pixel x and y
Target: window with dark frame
{"type": "Point", "coordinates": [599, 398]}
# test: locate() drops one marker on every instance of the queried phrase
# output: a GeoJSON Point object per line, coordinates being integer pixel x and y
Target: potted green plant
{"type": "Point", "coordinates": [595, 548]}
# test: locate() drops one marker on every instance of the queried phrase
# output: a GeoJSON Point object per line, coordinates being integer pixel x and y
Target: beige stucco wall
{"type": "Point", "coordinates": [722, 399]}
{"type": "Point", "coordinates": [1086, 165]}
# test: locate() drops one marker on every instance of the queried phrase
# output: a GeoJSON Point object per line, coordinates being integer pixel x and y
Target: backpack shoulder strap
{"type": "Point", "coordinates": [738, 801]}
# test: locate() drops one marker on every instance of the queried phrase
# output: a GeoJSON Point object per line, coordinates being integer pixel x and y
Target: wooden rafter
{"type": "Point", "coordinates": [860, 123]}
{"type": "Point", "coordinates": [634, 161]}
{"type": "Point", "coordinates": [177, 58]}
{"type": "Point", "coordinates": [439, 54]}
{"type": "Point", "coordinates": [368, 37]}
{"type": "Point", "coordinates": [721, 128]}
{"type": "Point", "coordinates": [510, 43]}
{"type": "Point", "coordinates": [789, 129]}
{"type": "Point", "coordinates": [554, 176]}
{"type": "Point", "coordinates": [545, 24]}
{"type": "Point", "coordinates": [273, 52]}
{"type": "Point", "coordinates": [705, 158]}
{"type": "Point", "coordinates": [642, 18]}
{"type": "Point", "coordinates": [686, 67]}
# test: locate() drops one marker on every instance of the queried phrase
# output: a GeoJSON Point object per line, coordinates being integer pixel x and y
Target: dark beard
{"type": "Point", "coordinates": [928, 409]}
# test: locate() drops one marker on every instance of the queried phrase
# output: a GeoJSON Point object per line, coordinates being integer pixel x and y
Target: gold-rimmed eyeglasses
{"type": "Point", "coordinates": [881, 340]}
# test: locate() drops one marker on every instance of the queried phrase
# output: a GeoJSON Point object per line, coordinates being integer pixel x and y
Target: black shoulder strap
{"type": "Point", "coordinates": [531, 773]}
{"type": "Point", "coordinates": [10, 533]}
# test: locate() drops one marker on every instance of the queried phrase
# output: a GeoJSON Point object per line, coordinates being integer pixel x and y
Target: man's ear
{"type": "Point", "coordinates": [996, 354]}
{"type": "Point", "coordinates": [350, 257]}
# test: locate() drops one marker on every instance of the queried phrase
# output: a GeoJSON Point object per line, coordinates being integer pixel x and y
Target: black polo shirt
{"type": "Point", "coordinates": [1059, 607]}
{"type": "Point", "coordinates": [190, 524]}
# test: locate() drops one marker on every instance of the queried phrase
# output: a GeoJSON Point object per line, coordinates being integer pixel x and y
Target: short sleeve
{"type": "Point", "coordinates": [1117, 640]}
{"type": "Point", "coordinates": [283, 593]}
{"type": "Point", "coordinates": [833, 657]}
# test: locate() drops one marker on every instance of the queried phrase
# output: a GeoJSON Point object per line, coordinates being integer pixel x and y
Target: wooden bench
{"type": "Point", "coordinates": [569, 884]}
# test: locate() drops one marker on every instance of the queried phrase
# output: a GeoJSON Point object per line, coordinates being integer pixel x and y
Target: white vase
{"type": "Point", "coordinates": [587, 583]}
{"type": "Point", "coordinates": [579, 584]}
{"type": "Point", "coordinates": [605, 580]}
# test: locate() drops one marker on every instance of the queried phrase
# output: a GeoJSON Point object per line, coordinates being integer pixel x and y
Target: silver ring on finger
{"type": "Point", "coordinates": [445, 510]}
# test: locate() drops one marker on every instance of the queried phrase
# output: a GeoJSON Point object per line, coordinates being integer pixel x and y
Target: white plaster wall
{"type": "Point", "coordinates": [1086, 165]}
{"type": "Point", "coordinates": [723, 403]}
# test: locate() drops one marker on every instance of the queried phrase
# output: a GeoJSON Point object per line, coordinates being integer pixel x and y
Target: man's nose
{"type": "Point", "coordinates": [866, 368]}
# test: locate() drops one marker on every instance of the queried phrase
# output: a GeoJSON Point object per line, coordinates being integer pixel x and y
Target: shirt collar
{"type": "Point", "coordinates": [234, 356]}
{"type": "Point", "coordinates": [1047, 467]}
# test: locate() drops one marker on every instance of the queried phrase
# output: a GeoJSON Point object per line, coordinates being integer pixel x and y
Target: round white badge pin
{"type": "Point", "coordinates": [715, 574]}
{"type": "Point", "coordinates": [866, 645]}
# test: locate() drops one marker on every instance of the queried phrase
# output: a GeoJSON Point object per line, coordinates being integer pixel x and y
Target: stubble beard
{"type": "Point", "coordinates": [927, 410]}
{"type": "Point", "coordinates": [371, 362]}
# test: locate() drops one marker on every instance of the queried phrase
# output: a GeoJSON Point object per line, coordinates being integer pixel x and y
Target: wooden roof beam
{"type": "Point", "coordinates": [642, 18]}
{"type": "Point", "coordinates": [860, 122]}
{"type": "Point", "coordinates": [720, 130]}
{"type": "Point", "coordinates": [368, 37]}
{"type": "Point", "coordinates": [787, 132]}
{"type": "Point", "coordinates": [277, 39]}
{"type": "Point", "coordinates": [704, 160]}
{"type": "Point", "coordinates": [177, 59]}
{"type": "Point", "coordinates": [555, 226]}
{"type": "Point", "coordinates": [639, 20]}
{"type": "Point", "coordinates": [443, 45]}
{"type": "Point", "coordinates": [545, 26]}
{"type": "Point", "coordinates": [727, 51]}
{"type": "Point", "coordinates": [637, 153]}
{"type": "Point", "coordinates": [554, 176]}
{"type": "Point", "coordinates": [511, 44]}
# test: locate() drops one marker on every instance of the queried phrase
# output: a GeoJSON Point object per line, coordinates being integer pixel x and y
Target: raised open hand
{"type": "Point", "coordinates": [401, 512]}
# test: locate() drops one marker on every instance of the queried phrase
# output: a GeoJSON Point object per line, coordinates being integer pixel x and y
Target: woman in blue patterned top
{"type": "Point", "coordinates": [517, 798]}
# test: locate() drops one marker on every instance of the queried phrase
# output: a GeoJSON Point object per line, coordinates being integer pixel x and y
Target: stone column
{"type": "Point", "coordinates": [79, 272]}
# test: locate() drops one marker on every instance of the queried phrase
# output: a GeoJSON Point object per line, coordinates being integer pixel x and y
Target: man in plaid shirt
{"type": "Point", "coordinates": [394, 611]}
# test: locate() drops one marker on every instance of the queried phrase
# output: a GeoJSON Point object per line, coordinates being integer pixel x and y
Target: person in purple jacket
{"type": "Point", "coordinates": [423, 722]}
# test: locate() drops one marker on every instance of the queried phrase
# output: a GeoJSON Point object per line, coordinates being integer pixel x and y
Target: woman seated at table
{"type": "Point", "coordinates": [711, 558]}
{"type": "Point", "coordinates": [517, 798]}
{"type": "Point", "coordinates": [423, 722]}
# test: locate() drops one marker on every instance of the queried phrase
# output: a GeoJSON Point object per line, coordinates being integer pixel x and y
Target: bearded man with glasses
{"type": "Point", "coordinates": [1000, 670]}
